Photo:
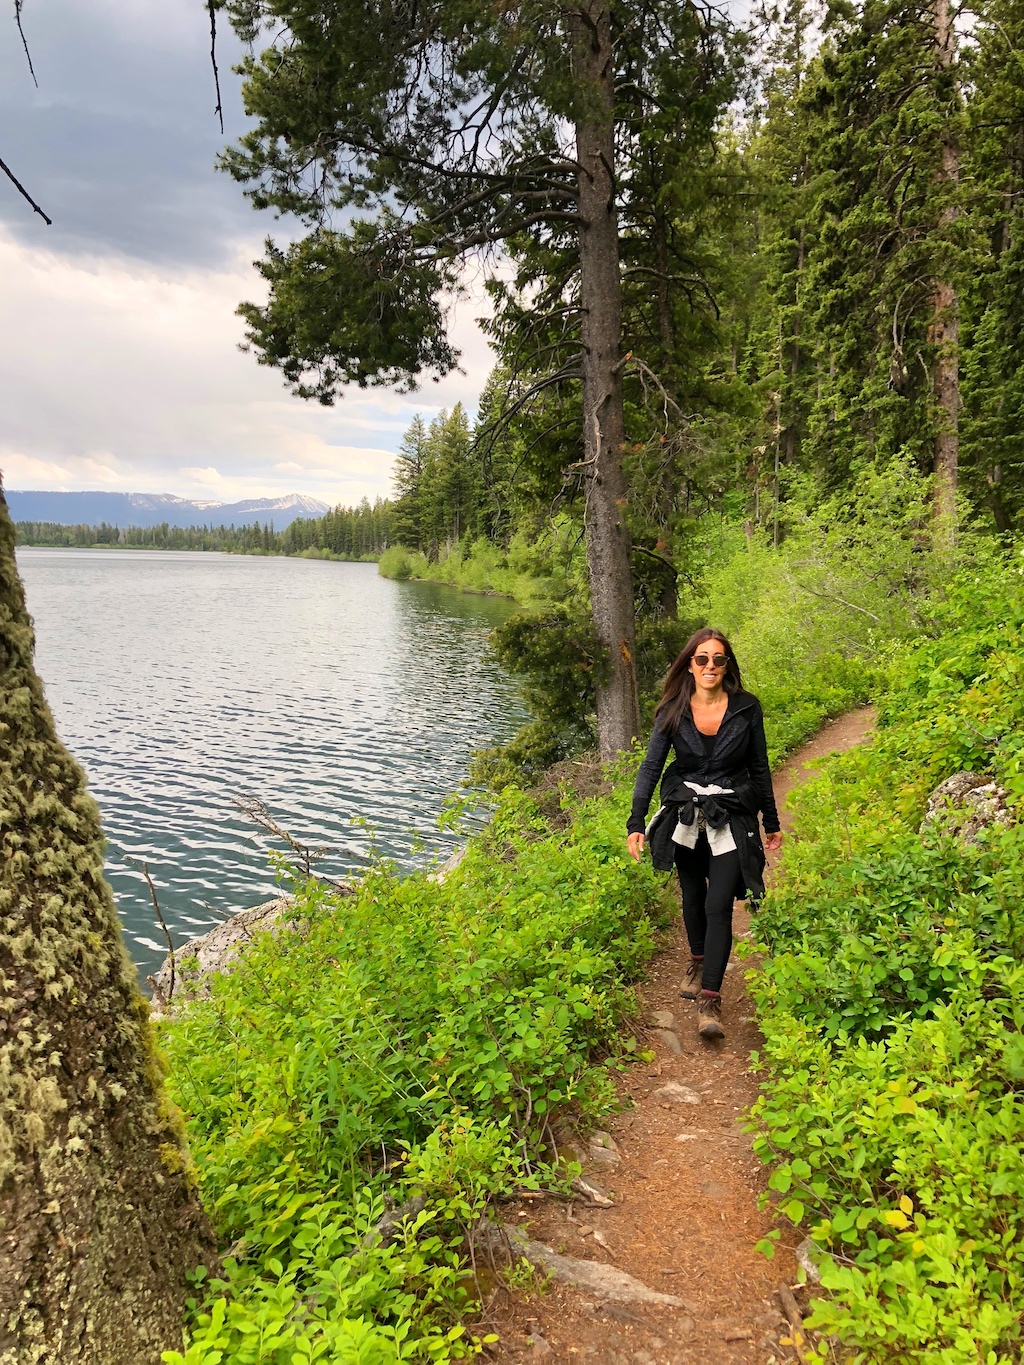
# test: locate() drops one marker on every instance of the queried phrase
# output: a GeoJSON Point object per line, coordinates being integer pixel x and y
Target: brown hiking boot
{"type": "Point", "coordinates": [691, 981]}
{"type": "Point", "coordinates": [709, 1016]}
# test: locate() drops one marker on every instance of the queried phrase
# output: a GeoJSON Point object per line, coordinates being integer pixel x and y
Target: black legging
{"type": "Point", "coordinates": [707, 885]}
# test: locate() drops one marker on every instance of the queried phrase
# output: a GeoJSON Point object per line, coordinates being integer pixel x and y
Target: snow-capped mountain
{"type": "Point", "coordinates": [150, 509]}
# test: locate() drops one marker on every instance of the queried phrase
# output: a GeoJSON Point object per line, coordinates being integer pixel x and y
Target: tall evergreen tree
{"type": "Point", "coordinates": [408, 477]}
{"type": "Point", "coordinates": [879, 243]}
{"type": "Point", "coordinates": [781, 352]}
{"type": "Point", "coordinates": [455, 128]}
{"type": "Point", "coordinates": [993, 329]}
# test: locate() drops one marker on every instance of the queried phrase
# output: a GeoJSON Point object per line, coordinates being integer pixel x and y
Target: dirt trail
{"type": "Point", "coordinates": [685, 1186]}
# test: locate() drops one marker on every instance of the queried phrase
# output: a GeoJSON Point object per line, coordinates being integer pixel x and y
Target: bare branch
{"type": "Point", "coordinates": [24, 192]}
{"type": "Point", "coordinates": [212, 7]}
{"type": "Point", "coordinates": [162, 922]}
{"type": "Point", "coordinates": [834, 597]}
{"type": "Point", "coordinates": [645, 372]}
{"type": "Point", "coordinates": [496, 425]}
{"type": "Point", "coordinates": [653, 554]}
{"type": "Point", "coordinates": [18, 6]}
{"type": "Point", "coordinates": [258, 812]}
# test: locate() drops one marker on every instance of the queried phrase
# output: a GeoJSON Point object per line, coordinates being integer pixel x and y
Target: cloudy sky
{"type": "Point", "coordinates": [120, 368]}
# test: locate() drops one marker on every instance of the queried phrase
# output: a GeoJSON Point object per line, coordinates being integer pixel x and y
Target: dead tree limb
{"type": "Point", "coordinates": [259, 814]}
{"type": "Point", "coordinates": [24, 192]}
{"type": "Point", "coordinates": [219, 111]}
{"type": "Point", "coordinates": [18, 6]}
{"type": "Point", "coordinates": [834, 597]}
{"type": "Point", "coordinates": [163, 925]}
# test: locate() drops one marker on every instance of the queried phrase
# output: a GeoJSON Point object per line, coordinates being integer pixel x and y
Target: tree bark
{"type": "Point", "coordinates": [99, 1216]}
{"type": "Point", "coordinates": [945, 327]}
{"type": "Point", "coordinates": [608, 547]}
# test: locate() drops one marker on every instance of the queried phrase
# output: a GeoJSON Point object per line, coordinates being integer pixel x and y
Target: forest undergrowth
{"type": "Point", "coordinates": [413, 1040]}
{"type": "Point", "coordinates": [892, 1002]}
{"type": "Point", "coordinates": [417, 1040]}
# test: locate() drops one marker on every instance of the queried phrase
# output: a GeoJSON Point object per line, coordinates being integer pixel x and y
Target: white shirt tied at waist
{"type": "Point", "coordinates": [719, 840]}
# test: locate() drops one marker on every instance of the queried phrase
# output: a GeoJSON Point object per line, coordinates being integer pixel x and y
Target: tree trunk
{"type": "Point", "coordinates": [792, 432]}
{"type": "Point", "coordinates": [99, 1217]}
{"type": "Point", "coordinates": [945, 327]}
{"type": "Point", "coordinates": [666, 327]}
{"type": "Point", "coordinates": [608, 549]}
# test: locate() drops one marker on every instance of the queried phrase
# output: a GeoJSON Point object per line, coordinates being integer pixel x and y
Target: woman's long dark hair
{"type": "Point", "coordinates": [679, 684]}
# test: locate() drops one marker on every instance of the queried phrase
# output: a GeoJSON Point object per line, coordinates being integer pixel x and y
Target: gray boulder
{"type": "Point", "coordinates": [196, 961]}
{"type": "Point", "coordinates": [964, 805]}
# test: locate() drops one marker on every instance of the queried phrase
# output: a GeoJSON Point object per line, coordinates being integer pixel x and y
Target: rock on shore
{"type": "Point", "coordinates": [198, 959]}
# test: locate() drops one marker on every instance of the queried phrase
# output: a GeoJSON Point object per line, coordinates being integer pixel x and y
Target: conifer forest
{"type": "Point", "coordinates": [753, 280]}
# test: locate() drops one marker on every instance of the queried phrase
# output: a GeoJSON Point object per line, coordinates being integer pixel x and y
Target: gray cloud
{"type": "Point", "coordinates": [126, 374]}
{"type": "Point", "coordinates": [118, 143]}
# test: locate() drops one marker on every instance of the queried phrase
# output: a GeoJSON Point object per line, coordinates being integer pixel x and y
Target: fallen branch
{"type": "Point", "coordinates": [834, 597]}
{"type": "Point", "coordinates": [791, 1309]}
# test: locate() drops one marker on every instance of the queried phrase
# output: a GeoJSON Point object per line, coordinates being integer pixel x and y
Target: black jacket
{"type": "Point", "coordinates": [738, 760]}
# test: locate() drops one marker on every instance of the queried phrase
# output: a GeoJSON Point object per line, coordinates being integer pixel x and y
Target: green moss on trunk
{"type": "Point", "coordinates": [99, 1217]}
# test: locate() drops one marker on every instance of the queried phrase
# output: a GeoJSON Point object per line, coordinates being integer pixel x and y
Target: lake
{"type": "Point", "coordinates": [349, 704]}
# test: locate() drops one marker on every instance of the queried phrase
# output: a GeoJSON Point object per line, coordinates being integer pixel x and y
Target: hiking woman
{"type": "Point", "coordinates": [710, 798]}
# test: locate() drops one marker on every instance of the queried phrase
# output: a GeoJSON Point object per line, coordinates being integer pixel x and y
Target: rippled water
{"type": "Point", "coordinates": [335, 696]}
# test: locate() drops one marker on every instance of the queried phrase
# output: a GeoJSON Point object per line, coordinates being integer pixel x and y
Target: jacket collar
{"type": "Point", "coordinates": [738, 702]}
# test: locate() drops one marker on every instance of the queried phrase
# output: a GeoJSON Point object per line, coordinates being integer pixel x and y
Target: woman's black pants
{"type": "Point", "coordinates": [708, 885]}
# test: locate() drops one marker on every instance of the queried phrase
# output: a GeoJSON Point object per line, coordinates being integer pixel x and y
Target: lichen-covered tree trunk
{"type": "Point", "coordinates": [99, 1217]}
{"type": "Point", "coordinates": [608, 541]}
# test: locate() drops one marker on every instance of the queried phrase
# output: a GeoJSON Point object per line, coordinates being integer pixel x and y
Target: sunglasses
{"type": "Point", "coordinates": [719, 660]}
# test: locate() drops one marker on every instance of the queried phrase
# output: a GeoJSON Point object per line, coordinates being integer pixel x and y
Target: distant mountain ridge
{"type": "Point", "coordinates": [151, 509]}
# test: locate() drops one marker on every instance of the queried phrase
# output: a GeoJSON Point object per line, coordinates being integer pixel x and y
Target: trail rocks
{"type": "Point", "coordinates": [964, 805]}
{"type": "Point", "coordinates": [594, 1276]}
{"type": "Point", "coordinates": [673, 1092]}
{"type": "Point", "coordinates": [807, 1262]}
{"type": "Point", "coordinates": [669, 1039]}
{"type": "Point", "coordinates": [214, 952]}
{"type": "Point", "coordinates": [592, 1192]}
{"type": "Point", "coordinates": [603, 1149]}
{"type": "Point", "coordinates": [662, 1025]}
{"type": "Point", "coordinates": [387, 1229]}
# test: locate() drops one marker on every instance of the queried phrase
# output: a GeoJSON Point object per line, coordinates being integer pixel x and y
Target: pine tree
{"type": "Point", "coordinates": [880, 115]}
{"type": "Point", "coordinates": [456, 130]}
{"type": "Point", "coordinates": [407, 477]}
{"type": "Point", "coordinates": [993, 330]}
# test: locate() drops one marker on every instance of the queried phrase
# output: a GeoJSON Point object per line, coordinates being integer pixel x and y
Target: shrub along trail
{"type": "Point", "coordinates": [685, 1183]}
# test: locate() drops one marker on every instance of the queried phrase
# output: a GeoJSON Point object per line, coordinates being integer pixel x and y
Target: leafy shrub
{"type": "Point", "coordinates": [814, 621]}
{"type": "Point", "coordinates": [396, 563]}
{"type": "Point", "coordinates": [534, 571]}
{"type": "Point", "coordinates": [410, 1039]}
{"type": "Point", "coordinates": [893, 1002]}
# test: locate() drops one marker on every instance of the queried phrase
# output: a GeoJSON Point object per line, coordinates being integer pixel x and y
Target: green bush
{"type": "Point", "coordinates": [814, 621]}
{"type": "Point", "coordinates": [532, 571]}
{"type": "Point", "coordinates": [412, 1038]}
{"type": "Point", "coordinates": [395, 562]}
{"type": "Point", "coordinates": [892, 1005]}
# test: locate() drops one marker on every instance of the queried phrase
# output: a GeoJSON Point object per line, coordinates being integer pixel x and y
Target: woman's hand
{"type": "Point", "coordinates": [773, 842]}
{"type": "Point", "coordinates": [635, 844]}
